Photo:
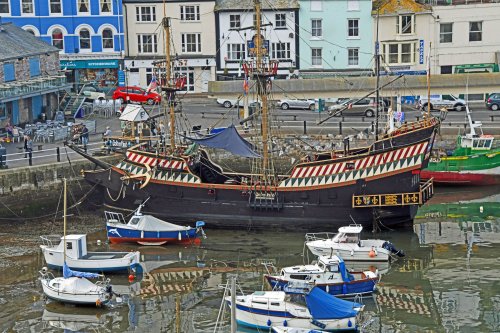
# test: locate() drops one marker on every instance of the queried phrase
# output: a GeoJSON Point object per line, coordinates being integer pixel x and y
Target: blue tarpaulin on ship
{"type": "Point", "coordinates": [229, 139]}
{"type": "Point", "coordinates": [346, 276]}
{"type": "Point", "coordinates": [67, 273]}
{"type": "Point", "coordinates": [322, 305]}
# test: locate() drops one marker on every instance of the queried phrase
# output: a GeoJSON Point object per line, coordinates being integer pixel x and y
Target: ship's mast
{"type": "Point", "coordinates": [429, 82]}
{"type": "Point", "coordinates": [170, 91]}
{"type": "Point", "coordinates": [261, 79]}
{"type": "Point", "coordinates": [377, 88]}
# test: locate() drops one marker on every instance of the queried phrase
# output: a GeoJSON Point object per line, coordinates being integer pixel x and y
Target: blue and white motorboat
{"type": "Point", "coordinates": [75, 288]}
{"type": "Point", "coordinates": [77, 257]}
{"type": "Point", "coordinates": [329, 274]}
{"type": "Point", "coordinates": [149, 230]}
{"type": "Point", "coordinates": [264, 309]}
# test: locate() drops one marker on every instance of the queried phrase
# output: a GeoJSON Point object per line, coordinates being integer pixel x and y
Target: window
{"type": "Point", "coordinates": [235, 51]}
{"type": "Point", "coordinates": [9, 73]}
{"type": "Point", "coordinates": [475, 31]}
{"type": "Point", "coordinates": [27, 6]}
{"type": "Point", "coordinates": [281, 51]}
{"type": "Point", "coordinates": [234, 21]}
{"type": "Point", "coordinates": [55, 7]}
{"type": "Point", "coordinates": [353, 56]}
{"type": "Point", "coordinates": [400, 53]}
{"type": "Point", "coordinates": [188, 73]}
{"type": "Point", "coordinates": [34, 67]}
{"type": "Point", "coordinates": [58, 38]}
{"type": "Point", "coordinates": [191, 43]}
{"type": "Point", "coordinates": [405, 24]}
{"type": "Point", "coordinates": [446, 32]}
{"type": "Point", "coordinates": [316, 57]}
{"type": "Point", "coordinates": [69, 245]}
{"type": "Point", "coordinates": [353, 28]}
{"type": "Point", "coordinates": [85, 39]}
{"type": "Point", "coordinates": [147, 43]}
{"type": "Point", "coordinates": [83, 6]}
{"type": "Point", "coordinates": [190, 13]}
{"type": "Point", "coordinates": [107, 39]}
{"type": "Point", "coordinates": [280, 21]}
{"type": "Point", "coordinates": [316, 28]}
{"type": "Point", "coordinates": [4, 6]}
{"type": "Point", "coordinates": [105, 6]}
{"type": "Point", "coordinates": [145, 14]}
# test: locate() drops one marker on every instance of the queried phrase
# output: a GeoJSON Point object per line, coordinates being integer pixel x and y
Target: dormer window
{"type": "Point", "coordinates": [405, 24]}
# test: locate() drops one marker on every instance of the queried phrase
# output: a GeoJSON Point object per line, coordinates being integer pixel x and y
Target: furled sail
{"type": "Point", "coordinates": [67, 273]}
{"type": "Point", "coordinates": [229, 139]}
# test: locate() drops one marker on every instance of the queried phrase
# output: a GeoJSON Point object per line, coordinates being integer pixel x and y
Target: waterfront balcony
{"type": "Point", "coordinates": [11, 91]}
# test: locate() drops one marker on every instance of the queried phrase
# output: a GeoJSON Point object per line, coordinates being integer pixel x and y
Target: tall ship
{"type": "Point", "coordinates": [474, 161]}
{"type": "Point", "coordinates": [380, 181]}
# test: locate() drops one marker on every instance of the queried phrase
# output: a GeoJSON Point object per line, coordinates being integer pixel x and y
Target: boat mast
{"type": "Point", "coordinates": [261, 78]}
{"type": "Point", "coordinates": [170, 91]}
{"type": "Point", "coordinates": [65, 204]}
{"type": "Point", "coordinates": [428, 113]}
{"type": "Point", "coordinates": [377, 70]}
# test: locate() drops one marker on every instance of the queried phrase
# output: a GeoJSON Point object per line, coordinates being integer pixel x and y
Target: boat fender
{"type": "Point", "coordinates": [327, 289]}
{"type": "Point", "coordinates": [269, 322]}
{"type": "Point", "coordinates": [131, 278]}
{"type": "Point", "coordinates": [142, 233]}
{"type": "Point", "coordinates": [285, 323]}
{"type": "Point", "coordinates": [372, 253]}
{"type": "Point", "coordinates": [98, 303]}
{"type": "Point", "coordinates": [352, 252]}
{"type": "Point", "coordinates": [179, 236]}
{"type": "Point", "coordinates": [349, 323]}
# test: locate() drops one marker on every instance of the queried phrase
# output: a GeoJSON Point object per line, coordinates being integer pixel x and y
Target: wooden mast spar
{"type": "Point", "coordinates": [168, 88]}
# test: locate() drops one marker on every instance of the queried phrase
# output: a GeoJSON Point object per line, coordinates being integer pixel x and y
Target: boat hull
{"type": "Point", "coordinates": [109, 262]}
{"type": "Point", "coordinates": [96, 298]}
{"type": "Point", "coordinates": [478, 178]}
{"type": "Point", "coordinates": [124, 235]}
{"type": "Point", "coordinates": [352, 288]}
{"type": "Point", "coordinates": [354, 254]}
{"type": "Point", "coordinates": [264, 319]}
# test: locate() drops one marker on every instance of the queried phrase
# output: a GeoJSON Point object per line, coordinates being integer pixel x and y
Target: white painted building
{"type": "Point", "coordinates": [280, 31]}
{"type": "Point", "coordinates": [193, 40]}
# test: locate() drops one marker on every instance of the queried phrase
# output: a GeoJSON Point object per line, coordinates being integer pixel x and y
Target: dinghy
{"type": "Point", "coordinates": [79, 259]}
{"type": "Point", "coordinates": [347, 243]}
{"type": "Point", "coordinates": [149, 230]}
{"type": "Point", "coordinates": [264, 309]}
{"type": "Point", "coordinates": [329, 274]}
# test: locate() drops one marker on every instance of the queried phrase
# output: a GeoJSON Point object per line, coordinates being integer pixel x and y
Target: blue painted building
{"type": "Point", "coordinates": [89, 33]}
{"type": "Point", "coordinates": [336, 37]}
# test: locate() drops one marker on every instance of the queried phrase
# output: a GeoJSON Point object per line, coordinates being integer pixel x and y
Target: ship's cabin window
{"type": "Point", "coordinates": [69, 245]}
{"type": "Point", "coordinates": [275, 304]}
{"type": "Point", "coordinates": [333, 268]}
{"type": "Point", "coordinates": [298, 276]}
{"type": "Point", "coordinates": [134, 220]}
{"type": "Point", "coordinates": [56, 285]}
{"type": "Point", "coordinates": [349, 238]}
{"type": "Point", "coordinates": [321, 266]}
{"type": "Point", "coordinates": [259, 302]}
{"type": "Point", "coordinates": [482, 143]}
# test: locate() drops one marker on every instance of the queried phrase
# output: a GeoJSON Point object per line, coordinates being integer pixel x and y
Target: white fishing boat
{"type": "Point", "coordinates": [329, 273]}
{"type": "Point", "coordinates": [285, 329]}
{"type": "Point", "coordinates": [73, 287]}
{"type": "Point", "coordinates": [347, 243]}
{"type": "Point", "coordinates": [264, 309]}
{"type": "Point", "coordinates": [77, 257]}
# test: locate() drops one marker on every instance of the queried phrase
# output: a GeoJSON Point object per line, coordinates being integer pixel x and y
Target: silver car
{"type": "Point", "coordinates": [357, 107]}
{"type": "Point", "coordinates": [304, 104]}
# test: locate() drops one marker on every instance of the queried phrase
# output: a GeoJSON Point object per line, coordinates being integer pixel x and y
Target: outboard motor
{"type": "Point", "coordinates": [390, 247]}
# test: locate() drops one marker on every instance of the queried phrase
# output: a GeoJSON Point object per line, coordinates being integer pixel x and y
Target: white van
{"type": "Point", "coordinates": [449, 102]}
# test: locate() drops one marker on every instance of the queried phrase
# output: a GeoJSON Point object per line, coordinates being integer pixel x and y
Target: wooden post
{"type": "Point", "coordinates": [233, 304]}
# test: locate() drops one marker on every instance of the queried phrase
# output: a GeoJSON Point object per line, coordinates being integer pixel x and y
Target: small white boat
{"type": "Point", "coordinates": [284, 329]}
{"type": "Point", "coordinates": [264, 309]}
{"type": "Point", "coordinates": [74, 288]}
{"type": "Point", "coordinates": [348, 244]}
{"type": "Point", "coordinates": [77, 257]}
{"type": "Point", "coordinates": [329, 274]}
{"type": "Point", "coordinates": [74, 322]}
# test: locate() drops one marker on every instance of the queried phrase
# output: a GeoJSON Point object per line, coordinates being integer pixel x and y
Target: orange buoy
{"type": "Point", "coordinates": [131, 277]}
{"type": "Point", "coordinates": [372, 253]}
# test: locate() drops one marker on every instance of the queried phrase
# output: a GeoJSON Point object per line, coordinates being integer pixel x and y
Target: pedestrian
{"type": "Point", "coordinates": [107, 133]}
{"type": "Point", "coordinates": [10, 131]}
{"type": "Point", "coordinates": [26, 138]}
{"type": "Point", "coordinates": [85, 135]}
{"type": "Point", "coordinates": [29, 147]}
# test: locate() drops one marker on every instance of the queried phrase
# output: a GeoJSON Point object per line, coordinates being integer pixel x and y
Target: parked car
{"type": "Point", "coordinates": [229, 103]}
{"type": "Point", "coordinates": [136, 94]}
{"type": "Point", "coordinates": [493, 102]}
{"type": "Point", "coordinates": [449, 102]}
{"type": "Point", "coordinates": [286, 104]}
{"type": "Point", "coordinates": [93, 92]}
{"type": "Point", "coordinates": [358, 107]}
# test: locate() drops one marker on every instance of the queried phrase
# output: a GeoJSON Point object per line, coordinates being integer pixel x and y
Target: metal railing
{"type": "Point", "coordinates": [21, 88]}
{"type": "Point", "coordinates": [319, 236]}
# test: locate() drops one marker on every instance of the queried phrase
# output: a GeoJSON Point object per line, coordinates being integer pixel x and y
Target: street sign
{"type": "Point", "coordinates": [121, 78]}
{"type": "Point", "coordinates": [421, 52]}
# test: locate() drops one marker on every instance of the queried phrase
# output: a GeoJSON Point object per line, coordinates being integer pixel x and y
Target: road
{"type": "Point", "coordinates": [207, 114]}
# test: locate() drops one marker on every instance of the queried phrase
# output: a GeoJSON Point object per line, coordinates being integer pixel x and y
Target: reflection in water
{"type": "Point", "coordinates": [447, 283]}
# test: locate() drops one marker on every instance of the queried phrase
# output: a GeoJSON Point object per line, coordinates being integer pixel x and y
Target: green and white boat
{"type": "Point", "coordinates": [475, 160]}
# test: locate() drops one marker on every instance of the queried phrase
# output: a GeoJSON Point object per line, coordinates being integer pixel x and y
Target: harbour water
{"type": "Point", "coordinates": [448, 281]}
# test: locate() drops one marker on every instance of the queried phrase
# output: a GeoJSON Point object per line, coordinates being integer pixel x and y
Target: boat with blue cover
{"type": "Point", "coordinates": [149, 230]}
{"type": "Point", "coordinates": [322, 311]}
{"type": "Point", "coordinates": [329, 273]}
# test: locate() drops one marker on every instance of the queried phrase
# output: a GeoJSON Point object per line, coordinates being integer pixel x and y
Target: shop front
{"type": "Point", "coordinates": [102, 72]}
{"type": "Point", "coordinates": [476, 68]}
